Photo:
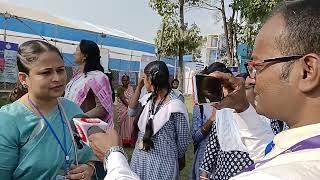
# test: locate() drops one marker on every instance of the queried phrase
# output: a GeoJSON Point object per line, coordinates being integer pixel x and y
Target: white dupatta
{"type": "Point", "coordinates": [162, 116]}
{"type": "Point", "coordinates": [228, 132]}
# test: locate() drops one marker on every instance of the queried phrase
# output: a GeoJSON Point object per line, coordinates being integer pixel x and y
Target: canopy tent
{"type": "Point", "coordinates": [122, 51]}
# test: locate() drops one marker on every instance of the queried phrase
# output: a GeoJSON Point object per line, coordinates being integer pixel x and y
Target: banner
{"type": "Point", "coordinates": [8, 62]}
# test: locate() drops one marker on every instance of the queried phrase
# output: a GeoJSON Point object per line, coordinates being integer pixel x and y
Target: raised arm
{"type": "Point", "coordinates": [133, 103]}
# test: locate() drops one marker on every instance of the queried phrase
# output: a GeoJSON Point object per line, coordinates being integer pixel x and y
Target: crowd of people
{"type": "Point", "coordinates": [265, 127]}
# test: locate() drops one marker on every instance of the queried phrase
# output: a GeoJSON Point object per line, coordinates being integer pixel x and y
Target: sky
{"type": "Point", "coordinates": [134, 17]}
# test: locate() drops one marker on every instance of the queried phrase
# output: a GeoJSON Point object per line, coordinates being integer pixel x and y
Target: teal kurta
{"type": "Point", "coordinates": [28, 149]}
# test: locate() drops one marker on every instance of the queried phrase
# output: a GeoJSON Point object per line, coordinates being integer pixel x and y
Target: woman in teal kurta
{"type": "Point", "coordinates": [27, 147]}
{"type": "Point", "coordinates": [36, 141]}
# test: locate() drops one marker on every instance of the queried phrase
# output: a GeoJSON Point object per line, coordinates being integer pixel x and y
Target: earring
{"type": "Point", "coordinates": [84, 59]}
{"type": "Point", "coordinates": [25, 86]}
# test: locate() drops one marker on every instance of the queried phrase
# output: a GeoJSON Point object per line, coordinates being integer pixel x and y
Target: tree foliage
{"type": "Point", "coordinates": [255, 11]}
{"type": "Point", "coordinates": [253, 14]}
{"type": "Point", "coordinates": [173, 37]}
{"type": "Point", "coordinates": [174, 33]}
{"type": "Point", "coordinates": [246, 19]}
{"type": "Point", "coordinates": [164, 8]}
{"type": "Point", "coordinates": [178, 39]}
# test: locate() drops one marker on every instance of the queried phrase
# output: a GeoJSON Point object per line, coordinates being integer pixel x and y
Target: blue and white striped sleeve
{"type": "Point", "coordinates": [197, 123]}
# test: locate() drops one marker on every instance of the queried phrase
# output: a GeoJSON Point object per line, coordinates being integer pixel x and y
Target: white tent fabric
{"type": "Point", "coordinates": [36, 15]}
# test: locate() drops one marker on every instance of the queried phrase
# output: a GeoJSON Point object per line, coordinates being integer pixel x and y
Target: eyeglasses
{"type": "Point", "coordinates": [251, 66]}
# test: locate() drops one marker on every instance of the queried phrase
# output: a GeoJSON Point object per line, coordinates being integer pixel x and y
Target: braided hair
{"type": "Point", "coordinates": [157, 72]}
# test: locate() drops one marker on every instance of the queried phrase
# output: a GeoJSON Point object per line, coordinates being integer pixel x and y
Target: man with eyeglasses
{"type": "Point", "coordinates": [285, 69]}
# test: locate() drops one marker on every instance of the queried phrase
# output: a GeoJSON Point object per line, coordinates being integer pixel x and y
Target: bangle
{"type": "Point", "coordinates": [91, 164]}
{"type": "Point", "coordinates": [113, 149]}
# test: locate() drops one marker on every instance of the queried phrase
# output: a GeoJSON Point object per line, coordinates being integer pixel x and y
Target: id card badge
{"type": "Point", "coordinates": [67, 164]}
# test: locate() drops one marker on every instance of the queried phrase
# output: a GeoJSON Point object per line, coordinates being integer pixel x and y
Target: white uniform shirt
{"type": "Point", "coordinates": [118, 168]}
{"type": "Point", "coordinates": [299, 165]}
{"type": "Point", "coordinates": [256, 134]}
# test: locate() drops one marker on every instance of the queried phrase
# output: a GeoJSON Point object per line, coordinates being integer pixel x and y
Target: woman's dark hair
{"type": "Point", "coordinates": [110, 76]}
{"type": "Point", "coordinates": [216, 66]}
{"type": "Point", "coordinates": [125, 76]}
{"type": "Point", "coordinates": [28, 53]}
{"type": "Point", "coordinates": [92, 53]}
{"type": "Point", "coordinates": [158, 73]}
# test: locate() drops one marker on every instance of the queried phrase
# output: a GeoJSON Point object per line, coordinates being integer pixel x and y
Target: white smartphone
{"type": "Point", "coordinates": [207, 89]}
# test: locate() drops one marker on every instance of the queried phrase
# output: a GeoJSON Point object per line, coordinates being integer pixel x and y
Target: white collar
{"type": "Point", "coordinates": [163, 115]}
{"type": "Point", "coordinates": [288, 138]}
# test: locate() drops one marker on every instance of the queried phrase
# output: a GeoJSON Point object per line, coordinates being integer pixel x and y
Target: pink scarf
{"type": "Point", "coordinates": [79, 86]}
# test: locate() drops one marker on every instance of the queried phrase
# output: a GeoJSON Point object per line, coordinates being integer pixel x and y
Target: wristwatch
{"type": "Point", "coordinates": [112, 149]}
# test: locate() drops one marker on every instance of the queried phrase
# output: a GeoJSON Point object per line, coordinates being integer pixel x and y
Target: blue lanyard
{"type": "Point", "coordinates": [310, 143]}
{"type": "Point", "coordinates": [269, 148]}
{"type": "Point", "coordinates": [64, 148]}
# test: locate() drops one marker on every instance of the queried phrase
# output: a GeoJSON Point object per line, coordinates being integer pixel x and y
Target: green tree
{"type": "Point", "coordinates": [230, 24]}
{"type": "Point", "coordinates": [246, 18]}
{"type": "Point", "coordinates": [253, 14]}
{"type": "Point", "coordinates": [175, 37]}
